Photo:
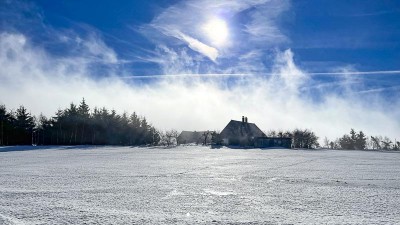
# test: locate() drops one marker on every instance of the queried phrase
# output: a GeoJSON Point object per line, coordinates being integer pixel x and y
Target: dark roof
{"type": "Point", "coordinates": [191, 137]}
{"type": "Point", "coordinates": [241, 129]}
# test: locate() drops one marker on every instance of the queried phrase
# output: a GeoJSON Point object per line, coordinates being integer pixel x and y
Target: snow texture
{"type": "Point", "coordinates": [197, 185]}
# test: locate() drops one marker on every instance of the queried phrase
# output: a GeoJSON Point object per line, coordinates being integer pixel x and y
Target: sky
{"type": "Point", "coordinates": [328, 66]}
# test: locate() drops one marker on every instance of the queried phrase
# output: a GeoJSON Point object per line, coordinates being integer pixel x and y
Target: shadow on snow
{"type": "Point", "coordinates": [30, 148]}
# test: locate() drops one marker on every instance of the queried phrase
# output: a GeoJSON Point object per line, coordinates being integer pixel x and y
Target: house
{"type": "Point", "coordinates": [240, 133]}
{"type": "Point", "coordinates": [245, 134]}
{"type": "Point", "coordinates": [194, 137]}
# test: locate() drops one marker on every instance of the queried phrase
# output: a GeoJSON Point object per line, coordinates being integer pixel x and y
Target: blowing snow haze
{"type": "Point", "coordinates": [328, 66]}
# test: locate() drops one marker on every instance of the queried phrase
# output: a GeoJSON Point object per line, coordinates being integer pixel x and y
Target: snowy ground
{"type": "Point", "coordinates": [190, 185]}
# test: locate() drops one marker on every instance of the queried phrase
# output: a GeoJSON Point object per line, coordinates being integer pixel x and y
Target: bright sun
{"type": "Point", "coordinates": [217, 31]}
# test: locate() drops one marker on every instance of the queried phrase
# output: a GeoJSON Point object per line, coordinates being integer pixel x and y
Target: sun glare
{"type": "Point", "coordinates": [217, 31]}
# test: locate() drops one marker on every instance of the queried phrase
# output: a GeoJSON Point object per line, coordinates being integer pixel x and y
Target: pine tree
{"type": "Point", "coordinates": [346, 142]}
{"type": "Point", "coordinates": [72, 121]}
{"type": "Point", "coordinates": [83, 119]}
{"type": "Point", "coordinates": [5, 125]}
{"type": "Point", "coordinates": [353, 141]}
{"type": "Point", "coordinates": [24, 125]}
{"type": "Point", "coordinates": [3, 120]}
{"type": "Point", "coordinates": [361, 141]}
{"type": "Point", "coordinates": [216, 138]}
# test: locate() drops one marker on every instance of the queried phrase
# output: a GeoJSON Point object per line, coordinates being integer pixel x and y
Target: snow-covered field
{"type": "Point", "coordinates": [191, 185]}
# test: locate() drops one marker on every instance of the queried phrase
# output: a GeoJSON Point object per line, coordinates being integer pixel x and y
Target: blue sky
{"type": "Point", "coordinates": [323, 35]}
{"type": "Point", "coordinates": [311, 52]}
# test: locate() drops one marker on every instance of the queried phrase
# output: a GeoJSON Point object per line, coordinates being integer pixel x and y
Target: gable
{"type": "Point", "coordinates": [236, 129]}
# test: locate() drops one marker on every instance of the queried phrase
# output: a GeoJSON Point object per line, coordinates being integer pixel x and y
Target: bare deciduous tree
{"type": "Point", "coordinates": [386, 143]}
{"type": "Point", "coordinates": [206, 135]}
{"type": "Point", "coordinates": [376, 142]}
{"type": "Point", "coordinates": [170, 137]}
{"type": "Point", "coordinates": [326, 142]}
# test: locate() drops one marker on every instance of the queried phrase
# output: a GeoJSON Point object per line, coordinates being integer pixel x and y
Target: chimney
{"type": "Point", "coordinates": [245, 119]}
{"type": "Point", "coordinates": [242, 119]}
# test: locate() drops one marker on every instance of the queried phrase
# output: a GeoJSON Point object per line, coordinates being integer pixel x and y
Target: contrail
{"type": "Point", "coordinates": [358, 72]}
{"type": "Point", "coordinates": [189, 75]}
{"type": "Point", "coordinates": [379, 89]}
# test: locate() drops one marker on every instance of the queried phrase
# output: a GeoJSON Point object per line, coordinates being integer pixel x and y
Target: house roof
{"type": "Point", "coordinates": [241, 129]}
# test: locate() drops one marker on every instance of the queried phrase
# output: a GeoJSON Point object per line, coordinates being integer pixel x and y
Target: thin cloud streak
{"type": "Point", "coordinates": [358, 72]}
{"type": "Point", "coordinates": [186, 75]}
{"type": "Point", "coordinates": [377, 13]}
{"type": "Point", "coordinates": [216, 75]}
{"type": "Point", "coordinates": [376, 90]}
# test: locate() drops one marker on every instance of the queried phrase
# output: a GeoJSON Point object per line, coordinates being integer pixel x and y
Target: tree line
{"type": "Point", "coordinates": [360, 141]}
{"type": "Point", "coordinates": [352, 141]}
{"type": "Point", "coordinates": [76, 125]}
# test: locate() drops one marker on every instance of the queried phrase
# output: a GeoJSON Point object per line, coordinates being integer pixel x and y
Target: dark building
{"type": "Point", "coordinates": [270, 142]}
{"type": "Point", "coordinates": [240, 133]}
{"type": "Point", "coordinates": [194, 137]}
{"type": "Point", "coordinates": [245, 134]}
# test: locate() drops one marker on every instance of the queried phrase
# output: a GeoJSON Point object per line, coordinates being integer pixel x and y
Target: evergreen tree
{"type": "Point", "coordinates": [6, 125]}
{"type": "Point", "coordinates": [353, 137]}
{"type": "Point", "coordinates": [346, 142]}
{"type": "Point", "coordinates": [3, 120]}
{"type": "Point", "coordinates": [83, 120]}
{"type": "Point", "coordinates": [354, 141]}
{"type": "Point", "coordinates": [361, 141]}
{"type": "Point", "coordinates": [215, 138]}
{"type": "Point", "coordinates": [155, 136]}
{"type": "Point", "coordinates": [24, 125]}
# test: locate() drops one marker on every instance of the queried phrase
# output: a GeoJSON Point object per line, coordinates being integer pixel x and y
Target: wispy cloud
{"type": "Point", "coordinates": [262, 27]}
{"type": "Point", "coordinates": [191, 75]}
{"type": "Point", "coordinates": [200, 47]}
{"type": "Point", "coordinates": [43, 83]}
{"type": "Point", "coordinates": [184, 21]}
{"type": "Point", "coordinates": [98, 49]}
